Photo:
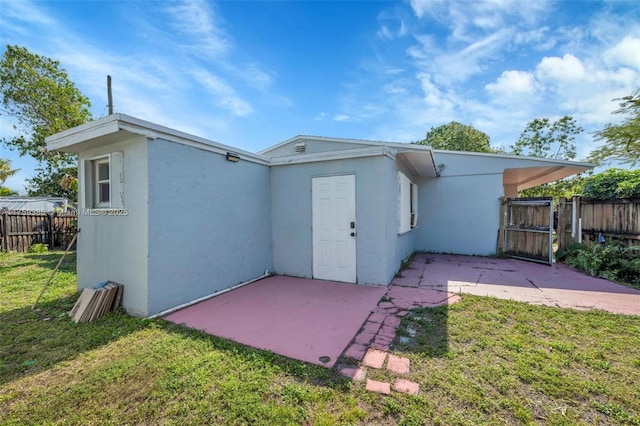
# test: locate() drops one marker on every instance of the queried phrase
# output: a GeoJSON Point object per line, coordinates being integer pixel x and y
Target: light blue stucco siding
{"type": "Point", "coordinates": [459, 211]}
{"type": "Point", "coordinates": [405, 243]}
{"type": "Point", "coordinates": [312, 147]}
{"type": "Point", "coordinates": [209, 223]}
{"type": "Point", "coordinates": [292, 216]}
{"type": "Point", "coordinates": [114, 247]}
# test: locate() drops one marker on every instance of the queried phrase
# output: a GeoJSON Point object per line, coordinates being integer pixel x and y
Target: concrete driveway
{"type": "Point", "coordinates": [557, 285]}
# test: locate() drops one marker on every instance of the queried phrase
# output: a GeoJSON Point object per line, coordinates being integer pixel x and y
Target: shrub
{"type": "Point", "coordinates": [38, 248]}
{"type": "Point", "coordinates": [613, 183]}
{"type": "Point", "coordinates": [615, 262]}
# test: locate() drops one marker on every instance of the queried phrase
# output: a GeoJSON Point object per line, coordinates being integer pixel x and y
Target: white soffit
{"type": "Point", "coordinates": [421, 162]}
{"type": "Point", "coordinates": [528, 177]}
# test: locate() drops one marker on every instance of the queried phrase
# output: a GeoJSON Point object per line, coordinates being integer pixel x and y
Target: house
{"type": "Point", "coordinates": [36, 204]}
{"type": "Point", "coordinates": [175, 217]}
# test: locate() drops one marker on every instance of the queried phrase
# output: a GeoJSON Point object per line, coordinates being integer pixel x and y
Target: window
{"type": "Point", "coordinates": [407, 204]}
{"type": "Point", "coordinates": [102, 181]}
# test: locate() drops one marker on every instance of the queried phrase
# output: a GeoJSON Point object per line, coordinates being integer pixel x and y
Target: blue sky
{"type": "Point", "coordinates": [252, 74]}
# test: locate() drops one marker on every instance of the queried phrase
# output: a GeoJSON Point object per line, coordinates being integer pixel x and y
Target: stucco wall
{"type": "Point", "coordinates": [115, 247]}
{"type": "Point", "coordinates": [313, 147]}
{"type": "Point", "coordinates": [291, 216]}
{"type": "Point", "coordinates": [405, 243]}
{"type": "Point", "coordinates": [209, 223]}
{"type": "Point", "coordinates": [459, 211]}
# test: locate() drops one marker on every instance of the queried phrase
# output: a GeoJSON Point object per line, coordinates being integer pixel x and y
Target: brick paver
{"type": "Point", "coordinates": [374, 358]}
{"type": "Point", "coordinates": [398, 365]}
{"type": "Point", "coordinates": [406, 386]}
{"type": "Point", "coordinates": [380, 387]}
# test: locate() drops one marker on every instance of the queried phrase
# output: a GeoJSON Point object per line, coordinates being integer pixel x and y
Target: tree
{"type": "Point", "coordinates": [41, 100]}
{"type": "Point", "coordinates": [561, 188]}
{"type": "Point", "coordinates": [51, 181]}
{"type": "Point", "coordinates": [544, 139]}
{"type": "Point", "coordinates": [457, 137]}
{"type": "Point", "coordinates": [622, 141]}
{"type": "Point", "coordinates": [6, 172]}
{"type": "Point", "coordinates": [613, 183]}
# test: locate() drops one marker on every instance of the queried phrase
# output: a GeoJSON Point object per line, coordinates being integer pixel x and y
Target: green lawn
{"type": "Point", "coordinates": [481, 361]}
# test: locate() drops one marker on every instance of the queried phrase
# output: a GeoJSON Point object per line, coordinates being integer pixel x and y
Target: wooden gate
{"type": "Point", "coordinates": [527, 228]}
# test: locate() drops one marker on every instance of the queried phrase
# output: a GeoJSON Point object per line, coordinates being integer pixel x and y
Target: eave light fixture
{"type": "Point", "coordinates": [233, 157]}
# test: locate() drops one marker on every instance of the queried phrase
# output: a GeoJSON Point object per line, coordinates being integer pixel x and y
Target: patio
{"type": "Point", "coordinates": [308, 320]}
{"type": "Point", "coordinates": [317, 321]}
{"type": "Point", "coordinates": [557, 285]}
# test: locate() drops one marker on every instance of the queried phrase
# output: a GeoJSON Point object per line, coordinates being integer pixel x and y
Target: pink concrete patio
{"type": "Point", "coordinates": [315, 321]}
{"type": "Point", "coordinates": [298, 318]}
{"type": "Point", "coordinates": [557, 285]}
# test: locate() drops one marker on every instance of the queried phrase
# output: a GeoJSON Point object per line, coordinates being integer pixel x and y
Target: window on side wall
{"type": "Point", "coordinates": [103, 179]}
{"type": "Point", "coordinates": [407, 204]}
{"type": "Point", "coordinates": [102, 185]}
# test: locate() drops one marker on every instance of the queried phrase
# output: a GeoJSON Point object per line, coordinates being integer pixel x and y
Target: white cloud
{"type": "Point", "coordinates": [24, 12]}
{"type": "Point", "coordinates": [342, 117]}
{"type": "Point", "coordinates": [468, 20]}
{"type": "Point", "coordinates": [395, 88]}
{"type": "Point", "coordinates": [626, 53]}
{"type": "Point", "coordinates": [426, 7]}
{"type": "Point", "coordinates": [538, 38]}
{"type": "Point", "coordinates": [565, 69]}
{"type": "Point", "coordinates": [451, 66]}
{"type": "Point", "coordinates": [320, 116]}
{"type": "Point", "coordinates": [196, 19]}
{"type": "Point", "coordinates": [224, 95]}
{"type": "Point", "coordinates": [512, 82]}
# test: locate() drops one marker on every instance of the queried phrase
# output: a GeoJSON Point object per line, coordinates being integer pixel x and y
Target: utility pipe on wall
{"type": "Point", "coordinates": [573, 218]}
{"type": "Point", "coordinates": [580, 230]}
{"type": "Point", "coordinates": [202, 299]}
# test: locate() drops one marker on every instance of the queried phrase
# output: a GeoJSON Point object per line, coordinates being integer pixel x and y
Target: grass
{"type": "Point", "coordinates": [481, 361]}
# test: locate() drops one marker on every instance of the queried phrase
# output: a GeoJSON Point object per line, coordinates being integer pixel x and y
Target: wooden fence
{"type": "Point", "coordinates": [526, 226]}
{"type": "Point", "coordinates": [19, 230]}
{"type": "Point", "coordinates": [593, 222]}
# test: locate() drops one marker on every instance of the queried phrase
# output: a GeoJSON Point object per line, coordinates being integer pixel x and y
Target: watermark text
{"type": "Point", "coordinates": [105, 212]}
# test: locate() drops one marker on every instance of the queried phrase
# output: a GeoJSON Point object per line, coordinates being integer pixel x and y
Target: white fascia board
{"type": "Point", "coordinates": [94, 129]}
{"type": "Point", "coordinates": [154, 131]}
{"type": "Point", "coordinates": [301, 138]}
{"type": "Point", "coordinates": [111, 125]}
{"type": "Point", "coordinates": [334, 155]}
{"type": "Point", "coordinates": [550, 161]}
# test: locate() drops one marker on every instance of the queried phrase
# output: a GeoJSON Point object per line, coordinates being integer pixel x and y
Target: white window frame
{"type": "Point", "coordinates": [407, 204]}
{"type": "Point", "coordinates": [90, 190]}
{"type": "Point", "coordinates": [97, 183]}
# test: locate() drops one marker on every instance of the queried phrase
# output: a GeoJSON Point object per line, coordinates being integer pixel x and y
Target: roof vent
{"type": "Point", "coordinates": [300, 147]}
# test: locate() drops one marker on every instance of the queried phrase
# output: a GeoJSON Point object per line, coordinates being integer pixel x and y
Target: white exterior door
{"type": "Point", "coordinates": [334, 240]}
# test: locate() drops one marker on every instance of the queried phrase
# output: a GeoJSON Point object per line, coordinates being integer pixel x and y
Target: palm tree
{"type": "Point", "coordinates": [6, 171]}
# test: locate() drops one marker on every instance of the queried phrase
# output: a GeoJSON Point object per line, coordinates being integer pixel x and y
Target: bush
{"type": "Point", "coordinates": [613, 183]}
{"type": "Point", "coordinates": [614, 262]}
{"type": "Point", "coordinates": [38, 248]}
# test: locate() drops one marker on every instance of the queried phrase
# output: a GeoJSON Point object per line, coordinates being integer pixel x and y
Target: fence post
{"type": "Point", "coordinates": [52, 241]}
{"type": "Point", "coordinates": [561, 229]}
{"type": "Point", "coordinates": [576, 214]}
{"type": "Point", "coordinates": [500, 249]}
{"type": "Point", "coordinates": [5, 231]}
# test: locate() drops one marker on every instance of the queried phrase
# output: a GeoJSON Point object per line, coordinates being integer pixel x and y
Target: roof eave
{"type": "Point", "coordinates": [118, 127]}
